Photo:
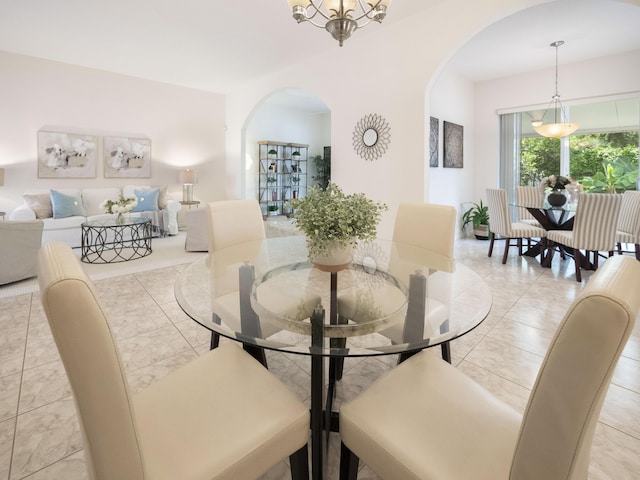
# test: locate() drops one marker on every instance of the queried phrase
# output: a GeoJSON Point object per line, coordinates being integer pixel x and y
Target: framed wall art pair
{"type": "Point", "coordinates": [72, 155]}
{"type": "Point", "coordinates": [453, 137]}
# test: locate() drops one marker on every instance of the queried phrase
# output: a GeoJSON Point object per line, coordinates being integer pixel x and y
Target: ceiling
{"type": "Point", "coordinates": [214, 44]}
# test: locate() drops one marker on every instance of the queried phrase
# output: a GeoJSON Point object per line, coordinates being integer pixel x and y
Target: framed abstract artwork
{"type": "Point", "coordinates": [453, 136]}
{"type": "Point", "coordinates": [434, 134]}
{"type": "Point", "coordinates": [66, 155]}
{"type": "Point", "coordinates": [125, 157]}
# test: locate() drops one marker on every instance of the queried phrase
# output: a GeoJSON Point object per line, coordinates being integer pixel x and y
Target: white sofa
{"type": "Point", "coordinates": [67, 229]}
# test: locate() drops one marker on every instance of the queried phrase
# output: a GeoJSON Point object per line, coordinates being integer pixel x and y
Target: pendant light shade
{"type": "Point", "coordinates": [561, 127]}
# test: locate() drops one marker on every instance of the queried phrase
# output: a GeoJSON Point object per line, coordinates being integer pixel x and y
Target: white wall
{"type": "Point", "coordinates": [185, 126]}
{"type": "Point", "coordinates": [452, 100]}
{"type": "Point", "coordinates": [579, 82]}
{"type": "Point", "coordinates": [283, 124]}
{"type": "Point", "coordinates": [386, 72]}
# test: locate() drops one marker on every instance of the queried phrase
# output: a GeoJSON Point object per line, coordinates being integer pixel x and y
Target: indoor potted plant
{"type": "Point", "coordinates": [333, 222]}
{"type": "Point", "coordinates": [478, 216]}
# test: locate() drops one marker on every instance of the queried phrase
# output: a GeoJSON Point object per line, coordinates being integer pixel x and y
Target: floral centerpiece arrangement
{"type": "Point", "coordinates": [121, 206]}
{"type": "Point", "coordinates": [554, 182]}
{"type": "Point", "coordinates": [332, 220]}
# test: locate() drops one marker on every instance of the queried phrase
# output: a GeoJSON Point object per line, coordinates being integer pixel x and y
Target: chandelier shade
{"type": "Point", "coordinates": [561, 127]}
{"type": "Point", "coordinates": [339, 17]}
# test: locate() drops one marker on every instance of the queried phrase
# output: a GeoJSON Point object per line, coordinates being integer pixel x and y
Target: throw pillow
{"type": "Point", "coordinates": [147, 200]}
{"type": "Point", "coordinates": [65, 205]}
{"type": "Point", "coordinates": [40, 204]}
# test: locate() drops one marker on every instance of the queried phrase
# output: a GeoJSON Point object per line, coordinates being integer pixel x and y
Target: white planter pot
{"type": "Point", "coordinates": [335, 259]}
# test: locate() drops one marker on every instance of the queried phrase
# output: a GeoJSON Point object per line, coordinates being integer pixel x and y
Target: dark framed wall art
{"type": "Point", "coordinates": [453, 136]}
{"type": "Point", "coordinates": [434, 135]}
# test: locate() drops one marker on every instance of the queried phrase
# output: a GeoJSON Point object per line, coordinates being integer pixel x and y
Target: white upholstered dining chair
{"type": "Point", "coordinates": [427, 420]}
{"type": "Point", "coordinates": [220, 416]}
{"type": "Point", "coordinates": [628, 229]}
{"type": "Point", "coordinates": [594, 229]}
{"type": "Point", "coordinates": [431, 227]}
{"type": "Point", "coordinates": [500, 224]}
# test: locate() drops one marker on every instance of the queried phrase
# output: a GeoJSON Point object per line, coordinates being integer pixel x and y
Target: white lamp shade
{"type": "Point", "coordinates": [187, 176]}
{"type": "Point", "coordinates": [335, 4]}
{"type": "Point", "coordinates": [556, 130]}
{"type": "Point", "coordinates": [1, 177]}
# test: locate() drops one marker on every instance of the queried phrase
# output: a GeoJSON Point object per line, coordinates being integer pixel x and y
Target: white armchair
{"type": "Point", "coordinates": [19, 245]}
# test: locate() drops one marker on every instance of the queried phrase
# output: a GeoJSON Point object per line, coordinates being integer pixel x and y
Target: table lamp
{"type": "Point", "coordinates": [187, 178]}
{"type": "Point", "coordinates": [1, 177]}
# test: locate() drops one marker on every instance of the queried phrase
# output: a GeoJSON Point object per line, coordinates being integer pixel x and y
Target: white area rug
{"type": "Point", "coordinates": [167, 252]}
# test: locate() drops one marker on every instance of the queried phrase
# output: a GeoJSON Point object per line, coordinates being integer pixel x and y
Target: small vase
{"type": "Point", "coordinates": [556, 199]}
{"type": "Point", "coordinates": [334, 259]}
{"type": "Point", "coordinates": [120, 218]}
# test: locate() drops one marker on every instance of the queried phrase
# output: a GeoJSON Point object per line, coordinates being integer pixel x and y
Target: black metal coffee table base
{"type": "Point", "coordinates": [110, 242]}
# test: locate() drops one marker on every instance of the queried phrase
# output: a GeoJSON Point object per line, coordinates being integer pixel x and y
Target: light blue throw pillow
{"type": "Point", "coordinates": [65, 205]}
{"type": "Point", "coordinates": [147, 200]}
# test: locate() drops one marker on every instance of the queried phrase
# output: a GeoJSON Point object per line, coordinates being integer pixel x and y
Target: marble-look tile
{"type": "Point", "coordinates": [7, 432]}
{"type": "Point", "coordinates": [9, 392]}
{"type": "Point", "coordinates": [72, 467]}
{"type": "Point", "coordinates": [505, 360]}
{"type": "Point", "coordinates": [626, 374]}
{"type": "Point", "coordinates": [195, 333]}
{"type": "Point", "coordinates": [138, 320]}
{"type": "Point", "coordinates": [530, 339]}
{"type": "Point", "coordinates": [289, 373]}
{"type": "Point", "coordinates": [44, 436]}
{"type": "Point", "coordinates": [632, 349]}
{"type": "Point", "coordinates": [614, 455]}
{"type": "Point", "coordinates": [151, 347]}
{"type": "Point", "coordinates": [145, 376]}
{"type": "Point", "coordinates": [621, 410]}
{"type": "Point", "coordinates": [42, 385]}
{"type": "Point", "coordinates": [509, 392]}
{"type": "Point", "coordinates": [356, 380]}
{"type": "Point", "coordinates": [173, 311]}
{"type": "Point", "coordinates": [40, 350]}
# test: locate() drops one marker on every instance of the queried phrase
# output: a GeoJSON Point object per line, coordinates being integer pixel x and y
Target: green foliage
{"type": "Point", "coordinates": [540, 157]}
{"type": "Point", "coordinates": [477, 215]}
{"type": "Point", "coordinates": [331, 218]}
{"type": "Point", "coordinates": [614, 177]}
{"type": "Point", "coordinates": [323, 170]}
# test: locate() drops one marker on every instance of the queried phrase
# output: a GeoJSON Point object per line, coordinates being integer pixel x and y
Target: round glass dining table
{"type": "Point", "coordinates": [393, 298]}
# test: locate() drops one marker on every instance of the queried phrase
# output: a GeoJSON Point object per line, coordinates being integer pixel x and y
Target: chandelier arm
{"type": "Point", "coordinates": [368, 11]}
{"type": "Point", "coordinates": [317, 8]}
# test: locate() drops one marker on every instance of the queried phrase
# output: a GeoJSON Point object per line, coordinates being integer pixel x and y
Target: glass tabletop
{"type": "Point", "coordinates": [263, 293]}
{"type": "Point", "coordinates": [112, 221]}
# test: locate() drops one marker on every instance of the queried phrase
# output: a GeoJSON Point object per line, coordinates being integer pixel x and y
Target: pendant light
{"type": "Point", "coordinates": [560, 128]}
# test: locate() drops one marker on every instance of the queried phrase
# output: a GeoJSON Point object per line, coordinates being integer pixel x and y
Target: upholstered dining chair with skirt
{"type": "Point", "coordinates": [220, 416]}
{"type": "Point", "coordinates": [628, 229]}
{"type": "Point", "coordinates": [427, 420]}
{"type": "Point", "coordinates": [500, 224]}
{"type": "Point", "coordinates": [594, 230]}
{"type": "Point", "coordinates": [529, 196]}
{"type": "Point", "coordinates": [431, 228]}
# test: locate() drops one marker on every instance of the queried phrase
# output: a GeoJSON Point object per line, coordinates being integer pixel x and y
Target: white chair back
{"type": "Point", "coordinates": [596, 221]}
{"type": "Point", "coordinates": [234, 221]}
{"type": "Point", "coordinates": [629, 219]}
{"type": "Point", "coordinates": [527, 196]}
{"type": "Point", "coordinates": [499, 221]}
{"type": "Point", "coordinates": [562, 414]}
{"type": "Point", "coordinates": [426, 225]}
{"type": "Point", "coordinates": [90, 356]}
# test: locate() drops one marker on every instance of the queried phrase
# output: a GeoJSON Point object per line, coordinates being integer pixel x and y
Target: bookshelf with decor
{"type": "Point", "coordinates": [282, 175]}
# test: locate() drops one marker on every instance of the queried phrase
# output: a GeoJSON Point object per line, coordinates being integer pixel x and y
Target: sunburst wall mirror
{"type": "Point", "coordinates": [371, 137]}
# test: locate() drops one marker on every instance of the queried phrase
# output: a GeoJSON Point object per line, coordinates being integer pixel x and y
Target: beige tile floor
{"type": "Point", "coordinates": [40, 438]}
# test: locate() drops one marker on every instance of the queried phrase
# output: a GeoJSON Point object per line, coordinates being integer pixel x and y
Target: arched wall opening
{"type": "Point", "coordinates": [288, 115]}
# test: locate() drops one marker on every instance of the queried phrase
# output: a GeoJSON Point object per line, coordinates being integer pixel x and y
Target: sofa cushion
{"type": "Point", "coordinates": [64, 223]}
{"type": "Point", "coordinates": [40, 203]}
{"type": "Point", "coordinates": [129, 190]}
{"type": "Point", "coordinates": [147, 200]}
{"type": "Point", "coordinates": [66, 205]}
{"type": "Point", "coordinates": [92, 198]}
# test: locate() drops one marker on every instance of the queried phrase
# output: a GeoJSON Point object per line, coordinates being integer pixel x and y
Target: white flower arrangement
{"type": "Point", "coordinates": [121, 206]}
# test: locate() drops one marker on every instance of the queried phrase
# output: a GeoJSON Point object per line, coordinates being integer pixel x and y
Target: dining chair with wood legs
{"type": "Point", "coordinates": [220, 416]}
{"type": "Point", "coordinates": [427, 420]}
{"type": "Point", "coordinates": [500, 224]}
{"type": "Point", "coordinates": [628, 229]}
{"type": "Point", "coordinates": [594, 230]}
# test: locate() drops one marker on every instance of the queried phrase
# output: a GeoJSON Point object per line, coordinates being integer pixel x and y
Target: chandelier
{"type": "Point", "coordinates": [560, 128]}
{"type": "Point", "coordinates": [343, 17]}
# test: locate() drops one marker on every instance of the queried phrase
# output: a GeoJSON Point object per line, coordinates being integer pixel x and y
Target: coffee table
{"type": "Point", "coordinates": [112, 241]}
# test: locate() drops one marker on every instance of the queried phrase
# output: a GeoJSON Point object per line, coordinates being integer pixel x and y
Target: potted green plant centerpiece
{"type": "Point", "coordinates": [478, 216]}
{"type": "Point", "coordinates": [333, 222]}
